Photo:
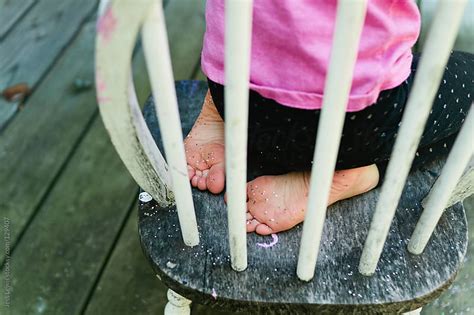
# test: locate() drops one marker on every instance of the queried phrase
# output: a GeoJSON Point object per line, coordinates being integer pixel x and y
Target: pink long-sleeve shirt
{"type": "Point", "coordinates": [291, 46]}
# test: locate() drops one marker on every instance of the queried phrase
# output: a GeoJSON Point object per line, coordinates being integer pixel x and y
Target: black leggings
{"type": "Point", "coordinates": [281, 139]}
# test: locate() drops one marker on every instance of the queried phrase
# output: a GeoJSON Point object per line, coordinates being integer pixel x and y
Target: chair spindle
{"type": "Point", "coordinates": [433, 61]}
{"type": "Point", "coordinates": [349, 23]}
{"type": "Point", "coordinates": [155, 44]}
{"type": "Point", "coordinates": [238, 30]}
{"type": "Point", "coordinates": [439, 195]}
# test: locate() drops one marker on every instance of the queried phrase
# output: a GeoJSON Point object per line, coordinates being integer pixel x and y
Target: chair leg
{"type": "Point", "coordinates": [177, 305]}
{"type": "Point", "coordinates": [414, 312]}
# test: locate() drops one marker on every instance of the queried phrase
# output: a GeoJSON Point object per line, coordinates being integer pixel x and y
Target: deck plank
{"type": "Point", "coordinates": [36, 42]}
{"type": "Point", "coordinates": [185, 25]}
{"type": "Point", "coordinates": [11, 12]}
{"type": "Point", "coordinates": [129, 285]}
{"type": "Point", "coordinates": [64, 249]}
{"type": "Point", "coordinates": [127, 267]}
{"type": "Point", "coordinates": [36, 144]}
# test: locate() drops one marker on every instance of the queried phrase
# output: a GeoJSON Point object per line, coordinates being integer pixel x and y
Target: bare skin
{"type": "Point", "coordinates": [204, 147]}
{"type": "Point", "coordinates": [275, 203]}
{"type": "Point", "coordinates": [278, 203]}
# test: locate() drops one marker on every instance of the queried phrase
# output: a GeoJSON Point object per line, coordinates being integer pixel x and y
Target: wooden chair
{"type": "Point", "coordinates": [352, 259]}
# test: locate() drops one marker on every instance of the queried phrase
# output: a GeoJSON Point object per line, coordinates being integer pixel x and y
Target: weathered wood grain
{"type": "Point", "coordinates": [401, 283]}
{"type": "Point", "coordinates": [128, 284]}
{"type": "Point", "coordinates": [7, 111]}
{"type": "Point", "coordinates": [127, 268]}
{"type": "Point", "coordinates": [129, 134]}
{"type": "Point", "coordinates": [57, 260]}
{"type": "Point", "coordinates": [458, 298]}
{"type": "Point", "coordinates": [32, 47]}
{"type": "Point", "coordinates": [34, 147]}
{"type": "Point", "coordinates": [10, 12]}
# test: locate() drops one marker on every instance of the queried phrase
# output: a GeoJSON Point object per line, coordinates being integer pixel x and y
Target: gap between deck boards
{"type": "Point", "coordinates": [51, 176]}
{"type": "Point", "coordinates": [35, 44]}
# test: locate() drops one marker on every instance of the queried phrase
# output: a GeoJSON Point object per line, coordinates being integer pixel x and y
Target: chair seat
{"type": "Point", "coordinates": [203, 274]}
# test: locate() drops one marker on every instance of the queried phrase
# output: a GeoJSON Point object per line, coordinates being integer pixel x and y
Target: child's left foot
{"type": "Point", "coordinates": [204, 146]}
{"type": "Point", "coordinates": [277, 203]}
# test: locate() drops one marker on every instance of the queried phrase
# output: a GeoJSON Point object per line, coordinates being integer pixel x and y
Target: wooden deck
{"type": "Point", "coordinates": [67, 203]}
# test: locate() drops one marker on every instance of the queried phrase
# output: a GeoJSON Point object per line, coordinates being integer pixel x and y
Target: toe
{"type": "Point", "coordinates": [194, 181]}
{"type": "Point", "coordinates": [252, 225]}
{"type": "Point", "coordinates": [216, 178]}
{"type": "Point", "coordinates": [202, 183]}
{"type": "Point", "coordinates": [263, 229]}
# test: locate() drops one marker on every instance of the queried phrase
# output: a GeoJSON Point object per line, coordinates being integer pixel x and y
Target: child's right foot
{"type": "Point", "coordinates": [204, 147]}
{"type": "Point", "coordinates": [277, 203]}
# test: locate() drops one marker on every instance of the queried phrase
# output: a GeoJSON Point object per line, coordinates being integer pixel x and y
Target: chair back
{"type": "Point", "coordinates": [122, 21]}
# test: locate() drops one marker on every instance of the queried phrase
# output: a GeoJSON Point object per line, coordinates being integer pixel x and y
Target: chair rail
{"type": "Point", "coordinates": [118, 27]}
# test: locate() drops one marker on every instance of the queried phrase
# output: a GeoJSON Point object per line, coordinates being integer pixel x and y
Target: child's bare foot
{"type": "Point", "coordinates": [204, 147]}
{"type": "Point", "coordinates": [277, 203]}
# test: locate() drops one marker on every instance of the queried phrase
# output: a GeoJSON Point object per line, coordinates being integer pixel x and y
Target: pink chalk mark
{"type": "Point", "coordinates": [103, 99]}
{"type": "Point", "coordinates": [101, 87]}
{"type": "Point", "coordinates": [271, 244]}
{"type": "Point", "coordinates": [214, 294]}
{"type": "Point", "coordinates": [106, 24]}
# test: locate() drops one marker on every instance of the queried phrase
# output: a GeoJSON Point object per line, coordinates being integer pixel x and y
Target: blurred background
{"type": "Point", "coordinates": [67, 204]}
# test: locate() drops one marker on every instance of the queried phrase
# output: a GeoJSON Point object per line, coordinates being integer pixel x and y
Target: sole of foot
{"type": "Point", "coordinates": [204, 148]}
{"type": "Point", "coordinates": [278, 203]}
